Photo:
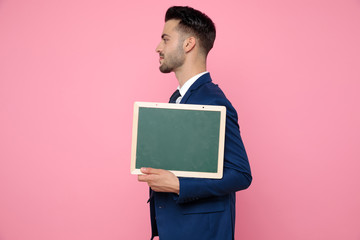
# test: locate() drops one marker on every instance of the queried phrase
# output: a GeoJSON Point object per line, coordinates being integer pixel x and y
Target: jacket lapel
{"type": "Point", "coordinates": [198, 83]}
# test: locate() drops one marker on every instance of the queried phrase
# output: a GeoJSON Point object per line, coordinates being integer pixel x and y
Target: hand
{"type": "Point", "coordinates": [160, 180]}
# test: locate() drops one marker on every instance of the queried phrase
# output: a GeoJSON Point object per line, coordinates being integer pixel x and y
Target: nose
{"type": "Point", "coordinates": [158, 48]}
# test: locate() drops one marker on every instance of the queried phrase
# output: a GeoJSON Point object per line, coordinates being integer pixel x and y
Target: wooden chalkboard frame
{"type": "Point", "coordinates": [196, 174]}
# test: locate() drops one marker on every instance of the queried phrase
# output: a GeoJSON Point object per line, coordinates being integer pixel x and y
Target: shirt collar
{"type": "Point", "coordinates": [188, 83]}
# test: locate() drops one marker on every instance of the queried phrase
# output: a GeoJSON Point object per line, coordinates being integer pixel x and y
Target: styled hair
{"type": "Point", "coordinates": [194, 22]}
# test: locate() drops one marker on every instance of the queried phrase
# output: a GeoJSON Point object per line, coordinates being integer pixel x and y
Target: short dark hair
{"type": "Point", "coordinates": [194, 22]}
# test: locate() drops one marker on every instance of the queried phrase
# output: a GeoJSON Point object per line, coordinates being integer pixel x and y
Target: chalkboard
{"type": "Point", "coordinates": [186, 139]}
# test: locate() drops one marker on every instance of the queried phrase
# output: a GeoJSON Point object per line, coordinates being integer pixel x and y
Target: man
{"type": "Point", "coordinates": [195, 208]}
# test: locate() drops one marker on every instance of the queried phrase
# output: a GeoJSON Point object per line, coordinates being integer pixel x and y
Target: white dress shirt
{"type": "Point", "coordinates": [187, 85]}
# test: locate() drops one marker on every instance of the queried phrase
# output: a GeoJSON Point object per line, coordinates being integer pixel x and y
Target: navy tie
{"type": "Point", "coordinates": [175, 96]}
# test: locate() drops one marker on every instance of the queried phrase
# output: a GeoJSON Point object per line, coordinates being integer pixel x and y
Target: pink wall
{"type": "Point", "coordinates": [71, 70]}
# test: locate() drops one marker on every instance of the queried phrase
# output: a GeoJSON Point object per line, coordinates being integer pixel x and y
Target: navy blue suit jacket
{"type": "Point", "coordinates": [205, 208]}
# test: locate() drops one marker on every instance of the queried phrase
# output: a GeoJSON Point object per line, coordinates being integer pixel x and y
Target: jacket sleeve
{"type": "Point", "coordinates": [236, 173]}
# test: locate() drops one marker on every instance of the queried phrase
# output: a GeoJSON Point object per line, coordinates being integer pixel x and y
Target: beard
{"type": "Point", "coordinates": [172, 61]}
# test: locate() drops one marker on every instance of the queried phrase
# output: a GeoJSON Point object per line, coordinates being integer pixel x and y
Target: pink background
{"type": "Point", "coordinates": [70, 72]}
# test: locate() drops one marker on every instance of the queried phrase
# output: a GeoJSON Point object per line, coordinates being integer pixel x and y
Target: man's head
{"type": "Point", "coordinates": [185, 30]}
{"type": "Point", "coordinates": [194, 23]}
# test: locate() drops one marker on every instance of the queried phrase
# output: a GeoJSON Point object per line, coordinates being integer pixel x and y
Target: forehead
{"type": "Point", "coordinates": [170, 27]}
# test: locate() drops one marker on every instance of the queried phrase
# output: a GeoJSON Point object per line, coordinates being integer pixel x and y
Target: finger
{"type": "Point", "coordinates": [143, 178]}
{"type": "Point", "coordinates": [148, 170]}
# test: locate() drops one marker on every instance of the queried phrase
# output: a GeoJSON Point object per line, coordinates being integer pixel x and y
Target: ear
{"type": "Point", "coordinates": [189, 44]}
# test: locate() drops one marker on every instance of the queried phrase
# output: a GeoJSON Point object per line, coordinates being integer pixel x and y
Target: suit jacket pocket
{"type": "Point", "coordinates": [206, 205]}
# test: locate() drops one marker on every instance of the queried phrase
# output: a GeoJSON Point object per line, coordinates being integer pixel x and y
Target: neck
{"type": "Point", "coordinates": [188, 70]}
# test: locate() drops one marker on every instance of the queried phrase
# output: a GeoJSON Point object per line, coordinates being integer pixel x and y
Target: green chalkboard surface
{"type": "Point", "coordinates": [185, 139]}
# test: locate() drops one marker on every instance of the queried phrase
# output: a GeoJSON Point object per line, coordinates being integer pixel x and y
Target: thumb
{"type": "Point", "coordinates": [146, 170]}
{"type": "Point", "coordinates": [149, 170]}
